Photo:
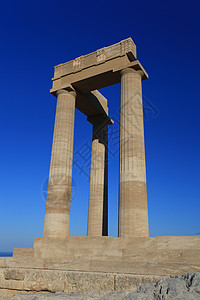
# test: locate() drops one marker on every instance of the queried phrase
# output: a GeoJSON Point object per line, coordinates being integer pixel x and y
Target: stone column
{"type": "Point", "coordinates": [98, 196]}
{"type": "Point", "coordinates": [133, 214]}
{"type": "Point", "coordinates": [57, 215]}
{"type": "Point", "coordinates": [105, 198]}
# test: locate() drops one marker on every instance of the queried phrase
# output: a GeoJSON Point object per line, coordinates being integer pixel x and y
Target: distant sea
{"type": "Point", "coordinates": [6, 254]}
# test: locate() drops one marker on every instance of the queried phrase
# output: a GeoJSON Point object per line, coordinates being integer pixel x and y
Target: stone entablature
{"type": "Point", "coordinates": [123, 48]}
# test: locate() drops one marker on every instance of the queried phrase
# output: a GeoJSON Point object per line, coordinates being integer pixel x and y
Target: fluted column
{"type": "Point", "coordinates": [57, 215]}
{"type": "Point", "coordinates": [98, 196]}
{"type": "Point", "coordinates": [133, 214]}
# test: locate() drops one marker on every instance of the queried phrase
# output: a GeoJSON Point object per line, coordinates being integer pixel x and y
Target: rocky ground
{"type": "Point", "coordinates": [185, 287]}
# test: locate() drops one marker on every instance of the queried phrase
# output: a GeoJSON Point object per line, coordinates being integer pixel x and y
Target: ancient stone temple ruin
{"type": "Point", "coordinates": [75, 84]}
{"type": "Point", "coordinates": [59, 262]}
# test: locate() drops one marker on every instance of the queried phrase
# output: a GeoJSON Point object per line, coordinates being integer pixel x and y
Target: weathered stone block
{"type": "Point", "coordinates": [14, 274]}
{"type": "Point", "coordinates": [10, 284]}
{"type": "Point", "coordinates": [82, 281]}
{"type": "Point", "coordinates": [44, 280]}
{"type": "Point", "coordinates": [130, 282]}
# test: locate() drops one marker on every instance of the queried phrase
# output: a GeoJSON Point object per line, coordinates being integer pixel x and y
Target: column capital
{"type": "Point", "coordinates": [131, 70]}
{"type": "Point", "coordinates": [65, 91]}
{"type": "Point", "coordinates": [135, 66]}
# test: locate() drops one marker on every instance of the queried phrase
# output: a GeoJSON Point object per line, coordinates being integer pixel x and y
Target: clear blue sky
{"type": "Point", "coordinates": [35, 36]}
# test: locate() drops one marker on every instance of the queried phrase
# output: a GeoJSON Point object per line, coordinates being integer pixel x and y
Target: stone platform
{"type": "Point", "coordinates": [97, 263]}
{"type": "Point", "coordinates": [160, 248]}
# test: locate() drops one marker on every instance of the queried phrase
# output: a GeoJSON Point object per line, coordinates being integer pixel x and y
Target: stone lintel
{"type": "Point", "coordinates": [101, 119]}
{"type": "Point", "coordinates": [98, 100]}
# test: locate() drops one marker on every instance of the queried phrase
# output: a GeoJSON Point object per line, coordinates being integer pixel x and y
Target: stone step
{"type": "Point", "coordinates": [176, 249]}
{"type": "Point", "coordinates": [172, 255]}
{"type": "Point", "coordinates": [67, 281]}
{"type": "Point", "coordinates": [86, 242]}
{"type": "Point", "coordinates": [178, 242]}
{"type": "Point", "coordinates": [25, 252]}
{"type": "Point", "coordinates": [160, 268]}
{"type": "Point", "coordinates": [119, 243]}
{"type": "Point", "coordinates": [186, 255]}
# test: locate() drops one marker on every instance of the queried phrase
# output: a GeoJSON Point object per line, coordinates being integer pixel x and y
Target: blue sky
{"type": "Point", "coordinates": [35, 36]}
